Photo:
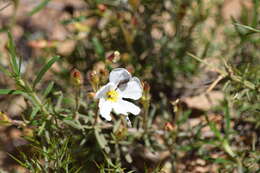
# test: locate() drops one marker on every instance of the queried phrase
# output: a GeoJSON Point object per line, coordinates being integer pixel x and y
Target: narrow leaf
{"type": "Point", "coordinates": [99, 49]}
{"type": "Point", "coordinates": [48, 89]}
{"type": "Point", "coordinates": [45, 68]}
{"type": "Point", "coordinates": [9, 91]}
{"type": "Point", "coordinates": [215, 130]}
{"type": "Point", "coordinates": [12, 51]}
{"type": "Point", "coordinates": [34, 112]}
{"type": "Point", "coordinates": [17, 160]}
{"type": "Point", "coordinates": [100, 138]}
{"type": "Point", "coordinates": [116, 126]}
{"type": "Point", "coordinates": [73, 124]}
{"type": "Point", "coordinates": [41, 128]}
{"type": "Point", "coordinates": [73, 20]}
{"type": "Point", "coordinates": [39, 7]}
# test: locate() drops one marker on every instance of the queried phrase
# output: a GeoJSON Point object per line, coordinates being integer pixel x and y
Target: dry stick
{"type": "Point", "coordinates": [248, 27]}
{"type": "Point", "coordinates": [5, 6]}
{"type": "Point", "coordinates": [236, 78]}
{"type": "Point", "coordinates": [210, 65]}
{"type": "Point", "coordinates": [212, 86]}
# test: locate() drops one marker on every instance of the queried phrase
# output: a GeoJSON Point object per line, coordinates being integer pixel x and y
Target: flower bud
{"type": "Point", "coordinates": [119, 16]}
{"type": "Point", "coordinates": [168, 126]}
{"type": "Point", "coordinates": [20, 84]}
{"type": "Point", "coordinates": [93, 76]}
{"type": "Point", "coordinates": [76, 77]}
{"type": "Point", "coordinates": [102, 7]}
{"type": "Point", "coordinates": [114, 57]}
{"type": "Point", "coordinates": [134, 21]}
{"type": "Point", "coordinates": [130, 68]}
{"type": "Point", "coordinates": [93, 79]}
{"type": "Point", "coordinates": [146, 86]}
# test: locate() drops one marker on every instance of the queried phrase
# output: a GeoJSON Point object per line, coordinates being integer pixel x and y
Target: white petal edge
{"type": "Point", "coordinates": [125, 107]}
{"type": "Point", "coordinates": [132, 90]}
{"type": "Point", "coordinates": [105, 109]}
{"type": "Point", "coordinates": [103, 90]}
{"type": "Point", "coordinates": [118, 75]}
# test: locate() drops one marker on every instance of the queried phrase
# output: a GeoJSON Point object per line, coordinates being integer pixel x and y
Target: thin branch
{"type": "Point", "coordinates": [5, 6]}
{"type": "Point", "coordinates": [224, 74]}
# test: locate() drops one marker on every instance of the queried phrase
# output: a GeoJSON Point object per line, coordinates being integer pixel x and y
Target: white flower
{"type": "Point", "coordinates": [121, 85]}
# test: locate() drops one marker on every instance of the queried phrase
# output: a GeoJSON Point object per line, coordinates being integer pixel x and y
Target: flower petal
{"type": "Point", "coordinates": [125, 107]}
{"type": "Point", "coordinates": [132, 90]}
{"type": "Point", "coordinates": [119, 75]}
{"type": "Point", "coordinates": [103, 90]}
{"type": "Point", "coordinates": [105, 108]}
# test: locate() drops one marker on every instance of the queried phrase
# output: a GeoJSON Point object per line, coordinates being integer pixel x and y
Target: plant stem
{"type": "Point", "coordinates": [77, 97]}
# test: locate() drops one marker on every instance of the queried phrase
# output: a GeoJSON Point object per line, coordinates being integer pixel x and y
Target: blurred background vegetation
{"type": "Point", "coordinates": [199, 61]}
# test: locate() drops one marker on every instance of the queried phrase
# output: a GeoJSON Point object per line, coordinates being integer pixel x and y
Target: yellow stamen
{"type": "Point", "coordinates": [112, 96]}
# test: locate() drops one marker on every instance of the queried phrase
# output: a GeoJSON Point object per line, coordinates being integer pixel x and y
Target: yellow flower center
{"type": "Point", "coordinates": [112, 96]}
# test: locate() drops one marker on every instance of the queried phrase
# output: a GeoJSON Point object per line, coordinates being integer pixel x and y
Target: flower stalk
{"type": "Point", "coordinates": [146, 98]}
{"type": "Point", "coordinates": [77, 82]}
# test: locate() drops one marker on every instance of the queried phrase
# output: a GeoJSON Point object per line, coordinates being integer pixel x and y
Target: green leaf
{"type": "Point", "coordinates": [34, 112]}
{"type": "Point", "coordinates": [72, 124]}
{"type": "Point", "coordinates": [99, 49]}
{"type": "Point", "coordinates": [12, 51]}
{"type": "Point", "coordinates": [17, 92]}
{"type": "Point", "coordinates": [221, 160]}
{"type": "Point", "coordinates": [215, 130]}
{"type": "Point", "coordinates": [48, 89]}
{"type": "Point", "coordinates": [182, 119]}
{"type": "Point", "coordinates": [116, 126]}
{"type": "Point", "coordinates": [74, 20]}
{"type": "Point", "coordinates": [9, 91]}
{"type": "Point", "coordinates": [17, 160]}
{"type": "Point", "coordinates": [45, 68]}
{"type": "Point", "coordinates": [41, 128]}
{"type": "Point", "coordinates": [39, 7]}
{"type": "Point", "coordinates": [19, 65]}
{"type": "Point", "coordinates": [101, 139]}
{"type": "Point", "coordinates": [228, 148]}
